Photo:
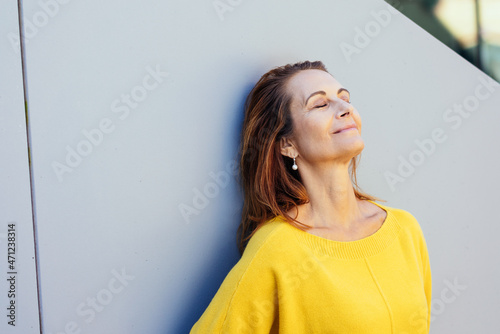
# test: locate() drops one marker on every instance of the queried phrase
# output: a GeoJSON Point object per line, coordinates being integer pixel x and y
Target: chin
{"type": "Point", "coordinates": [357, 147]}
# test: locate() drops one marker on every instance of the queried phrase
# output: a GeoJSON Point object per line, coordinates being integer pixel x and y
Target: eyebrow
{"type": "Point", "coordinates": [322, 92]}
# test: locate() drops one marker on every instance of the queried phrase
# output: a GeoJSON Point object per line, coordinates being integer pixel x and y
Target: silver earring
{"type": "Point", "coordinates": [294, 166]}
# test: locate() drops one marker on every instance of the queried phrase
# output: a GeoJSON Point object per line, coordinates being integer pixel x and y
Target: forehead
{"type": "Point", "coordinates": [306, 82]}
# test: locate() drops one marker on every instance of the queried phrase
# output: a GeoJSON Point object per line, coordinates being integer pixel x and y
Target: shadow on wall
{"type": "Point", "coordinates": [219, 262]}
{"type": "Point", "coordinates": [220, 259]}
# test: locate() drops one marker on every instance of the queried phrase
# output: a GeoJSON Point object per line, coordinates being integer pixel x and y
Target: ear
{"type": "Point", "coordinates": [288, 148]}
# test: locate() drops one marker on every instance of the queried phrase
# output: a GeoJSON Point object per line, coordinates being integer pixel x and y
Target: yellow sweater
{"type": "Point", "coordinates": [291, 281]}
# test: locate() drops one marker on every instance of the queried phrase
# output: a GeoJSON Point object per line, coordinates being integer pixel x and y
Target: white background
{"type": "Point", "coordinates": [115, 253]}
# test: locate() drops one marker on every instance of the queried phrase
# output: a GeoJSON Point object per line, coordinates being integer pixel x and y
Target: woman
{"type": "Point", "coordinates": [318, 255]}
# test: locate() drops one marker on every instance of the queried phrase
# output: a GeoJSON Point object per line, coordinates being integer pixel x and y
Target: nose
{"type": "Point", "coordinates": [346, 110]}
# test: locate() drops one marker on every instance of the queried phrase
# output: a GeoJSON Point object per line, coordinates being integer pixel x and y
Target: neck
{"type": "Point", "coordinates": [333, 203]}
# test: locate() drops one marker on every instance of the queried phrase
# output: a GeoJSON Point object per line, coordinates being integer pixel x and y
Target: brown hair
{"type": "Point", "coordinates": [271, 187]}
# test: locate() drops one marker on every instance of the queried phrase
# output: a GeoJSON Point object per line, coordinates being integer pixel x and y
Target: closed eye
{"type": "Point", "coordinates": [321, 106]}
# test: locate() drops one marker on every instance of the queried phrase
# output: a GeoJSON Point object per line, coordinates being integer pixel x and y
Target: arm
{"type": "Point", "coordinates": [246, 301]}
{"type": "Point", "coordinates": [421, 319]}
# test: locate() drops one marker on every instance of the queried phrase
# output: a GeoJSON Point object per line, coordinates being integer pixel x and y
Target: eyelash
{"type": "Point", "coordinates": [324, 105]}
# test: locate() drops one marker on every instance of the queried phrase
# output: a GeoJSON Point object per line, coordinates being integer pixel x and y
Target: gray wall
{"type": "Point", "coordinates": [18, 285]}
{"type": "Point", "coordinates": [134, 115]}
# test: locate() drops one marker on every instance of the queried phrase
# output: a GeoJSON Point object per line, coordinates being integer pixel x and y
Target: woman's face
{"type": "Point", "coordinates": [320, 108]}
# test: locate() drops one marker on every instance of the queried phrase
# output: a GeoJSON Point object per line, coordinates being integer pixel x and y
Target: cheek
{"type": "Point", "coordinates": [307, 132]}
{"type": "Point", "coordinates": [311, 132]}
{"type": "Point", "coordinates": [357, 120]}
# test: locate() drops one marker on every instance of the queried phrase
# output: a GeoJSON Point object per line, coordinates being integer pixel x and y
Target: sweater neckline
{"type": "Point", "coordinates": [356, 249]}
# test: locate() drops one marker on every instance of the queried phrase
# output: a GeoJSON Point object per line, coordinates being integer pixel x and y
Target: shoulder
{"type": "Point", "coordinates": [256, 270]}
{"type": "Point", "coordinates": [407, 222]}
{"type": "Point", "coordinates": [404, 218]}
{"type": "Point", "coordinates": [249, 284]}
{"type": "Point", "coordinates": [272, 246]}
{"type": "Point", "coordinates": [268, 239]}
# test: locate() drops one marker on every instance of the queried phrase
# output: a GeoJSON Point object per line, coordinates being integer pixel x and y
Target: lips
{"type": "Point", "coordinates": [352, 126]}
